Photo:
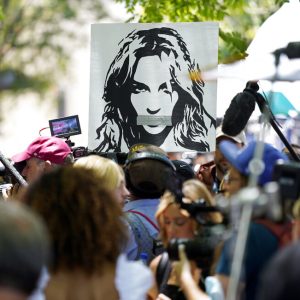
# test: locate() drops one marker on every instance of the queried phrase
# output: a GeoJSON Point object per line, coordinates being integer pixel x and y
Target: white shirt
{"type": "Point", "coordinates": [133, 279]}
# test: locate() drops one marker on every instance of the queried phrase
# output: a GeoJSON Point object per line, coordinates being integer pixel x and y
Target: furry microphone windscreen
{"type": "Point", "coordinates": [238, 113]}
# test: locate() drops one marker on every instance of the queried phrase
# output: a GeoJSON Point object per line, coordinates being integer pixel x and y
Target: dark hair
{"type": "Point", "coordinates": [24, 248]}
{"type": "Point", "coordinates": [83, 219]}
{"type": "Point", "coordinates": [183, 170]}
{"type": "Point", "coordinates": [189, 118]}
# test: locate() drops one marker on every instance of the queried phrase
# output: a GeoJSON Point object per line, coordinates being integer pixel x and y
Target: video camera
{"type": "Point", "coordinates": [287, 175]}
{"type": "Point", "coordinates": [65, 127]}
{"type": "Point", "coordinates": [68, 126]}
{"type": "Point", "coordinates": [200, 249]}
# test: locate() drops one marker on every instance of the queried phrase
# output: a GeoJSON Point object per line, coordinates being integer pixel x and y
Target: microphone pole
{"type": "Point", "coordinates": [265, 110]}
{"type": "Point", "coordinates": [12, 170]}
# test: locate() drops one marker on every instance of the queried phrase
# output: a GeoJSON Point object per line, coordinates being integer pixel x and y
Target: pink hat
{"type": "Point", "coordinates": [45, 148]}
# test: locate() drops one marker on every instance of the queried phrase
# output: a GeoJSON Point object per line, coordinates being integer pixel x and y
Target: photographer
{"type": "Point", "coordinates": [41, 156]}
{"type": "Point", "coordinates": [262, 243]}
{"type": "Point", "coordinates": [175, 223]}
{"type": "Point", "coordinates": [213, 172]}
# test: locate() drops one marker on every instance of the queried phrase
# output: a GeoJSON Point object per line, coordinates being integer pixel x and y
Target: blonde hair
{"type": "Point", "coordinates": [109, 172]}
{"type": "Point", "coordinates": [192, 190]}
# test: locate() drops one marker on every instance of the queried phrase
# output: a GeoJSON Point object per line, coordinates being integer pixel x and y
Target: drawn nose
{"type": "Point", "coordinates": [153, 112]}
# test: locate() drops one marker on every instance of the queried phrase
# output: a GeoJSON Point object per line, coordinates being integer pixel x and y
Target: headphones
{"type": "Point", "coordinates": [149, 155]}
{"type": "Point", "coordinates": [139, 156]}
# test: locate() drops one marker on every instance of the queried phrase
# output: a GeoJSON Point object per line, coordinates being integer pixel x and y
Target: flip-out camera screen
{"type": "Point", "coordinates": [65, 127]}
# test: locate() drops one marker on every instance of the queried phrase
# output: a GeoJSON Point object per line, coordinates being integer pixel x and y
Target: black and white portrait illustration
{"type": "Point", "coordinates": [146, 86]}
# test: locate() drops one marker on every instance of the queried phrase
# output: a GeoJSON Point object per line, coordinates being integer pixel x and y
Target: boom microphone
{"type": "Point", "coordinates": [240, 109]}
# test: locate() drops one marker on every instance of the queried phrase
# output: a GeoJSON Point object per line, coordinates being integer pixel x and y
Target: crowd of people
{"type": "Point", "coordinates": [152, 228]}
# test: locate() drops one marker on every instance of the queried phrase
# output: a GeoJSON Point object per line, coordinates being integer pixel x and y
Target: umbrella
{"type": "Point", "coordinates": [279, 103]}
{"type": "Point", "coordinates": [276, 32]}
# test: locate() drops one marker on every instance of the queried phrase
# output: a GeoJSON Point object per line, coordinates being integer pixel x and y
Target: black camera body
{"type": "Point", "coordinates": [287, 175]}
{"type": "Point", "coordinates": [200, 249]}
{"type": "Point", "coordinates": [118, 157]}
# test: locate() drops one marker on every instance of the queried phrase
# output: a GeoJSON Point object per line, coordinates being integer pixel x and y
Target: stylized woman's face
{"type": "Point", "coordinates": [152, 96]}
{"type": "Point", "coordinates": [176, 224]}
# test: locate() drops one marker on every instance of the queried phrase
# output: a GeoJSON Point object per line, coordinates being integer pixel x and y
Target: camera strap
{"type": "Point", "coordinates": [163, 271]}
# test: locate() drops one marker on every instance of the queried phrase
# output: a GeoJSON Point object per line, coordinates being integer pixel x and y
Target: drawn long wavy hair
{"type": "Point", "coordinates": [119, 121]}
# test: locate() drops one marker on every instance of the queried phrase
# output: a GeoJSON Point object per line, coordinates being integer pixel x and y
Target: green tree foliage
{"type": "Point", "coordinates": [1, 13]}
{"type": "Point", "coordinates": [37, 38]}
{"type": "Point", "coordinates": [238, 19]}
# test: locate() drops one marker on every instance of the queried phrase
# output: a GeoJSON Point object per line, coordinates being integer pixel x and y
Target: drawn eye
{"type": "Point", "coordinates": [138, 90]}
{"type": "Point", "coordinates": [163, 87]}
{"type": "Point", "coordinates": [139, 87]}
{"type": "Point", "coordinates": [166, 91]}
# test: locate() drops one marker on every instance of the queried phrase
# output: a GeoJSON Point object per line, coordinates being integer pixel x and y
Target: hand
{"type": "Point", "coordinates": [186, 270]}
{"type": "Point", "coordinates": [162, 297]}
{"type": "Point", "coordinates": [183, 268]}
{"type": "Point", "coordinates": [13, 192]}
{"type": "Point", "coordinates": [189, 277]}
{"type": "Point", "coordinates": [6, 190]}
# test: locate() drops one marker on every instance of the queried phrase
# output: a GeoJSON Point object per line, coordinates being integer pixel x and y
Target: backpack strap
{"type": "Point", "coordinates": [142, 237]}
{"type": "Point", "coordinates": [146, 217]}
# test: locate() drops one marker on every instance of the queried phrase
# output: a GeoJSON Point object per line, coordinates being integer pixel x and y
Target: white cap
{"type": "Point", "coordinates": [240, 138]}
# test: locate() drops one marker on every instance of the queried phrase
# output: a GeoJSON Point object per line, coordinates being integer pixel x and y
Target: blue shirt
{"type": "Point", "coordinates": [261, 246]}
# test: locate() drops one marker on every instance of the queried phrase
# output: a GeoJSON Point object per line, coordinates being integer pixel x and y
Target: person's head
{"type": "Point", "coordinates": [110, 174]}
{"type": "Point", "coordinates": [184, 171]}
{"type": "Point", "coordinates": [135, 98]}
{"type": "Point", "coordinates": [24, 249]}
{"type": "Point", "coordinates": [222, 164]}
{"type": "Point", "coordinates": [241, 159]}
{"type": "Point", "coordinates": [148, 171]}
{"type": "Point", "coordinates": [194, 190]}
{"type": "Point", "coordinates": [175, 222]}
{"type": "Point", "coordinates": [233, 181]}
{"type": "Point", "coordinates": [83, 219]}
{"type": "Point", "coordinates": [42, 155]}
